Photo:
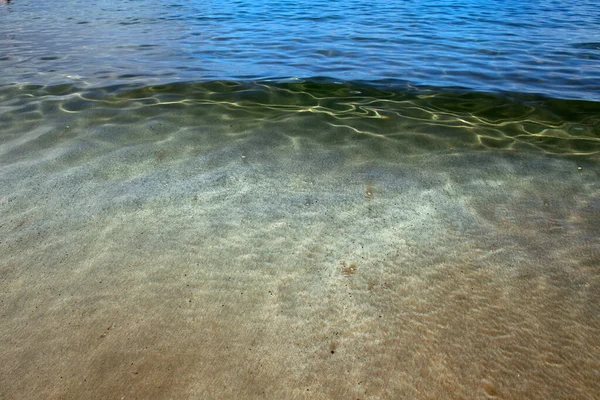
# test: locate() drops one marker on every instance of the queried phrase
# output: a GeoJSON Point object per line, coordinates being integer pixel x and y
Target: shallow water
{"type": "Point", "coordinates": [171, 231]}
{"type": "Point", "coordinates": [297, 241]}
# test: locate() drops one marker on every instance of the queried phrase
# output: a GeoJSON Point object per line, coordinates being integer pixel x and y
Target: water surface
{"type": "Point", "coordinates": [545, 47]}
{"type": "Point", "coordinates": [294, 200]}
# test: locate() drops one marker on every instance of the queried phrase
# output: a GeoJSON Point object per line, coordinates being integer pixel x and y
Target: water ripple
{"type": "Point", "coordinates": [425, 119]}
{"type": "Point", "coordinates": [538, 47]}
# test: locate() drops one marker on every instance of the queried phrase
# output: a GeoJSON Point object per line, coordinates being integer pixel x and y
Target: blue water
{"type": "Point", "coordinates": [544, 47]}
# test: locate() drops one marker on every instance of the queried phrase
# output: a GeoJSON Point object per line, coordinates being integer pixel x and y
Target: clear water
{"type": "Point", "coordinates": [299, 200]}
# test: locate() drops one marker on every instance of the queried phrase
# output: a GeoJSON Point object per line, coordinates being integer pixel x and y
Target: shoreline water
{"type": "Point", "coordinates": [285, 243]}
{"type": "Point", "coordinates": [182, 215]}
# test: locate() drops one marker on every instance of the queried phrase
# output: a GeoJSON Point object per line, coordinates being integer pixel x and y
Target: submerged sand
{"type": "Point", "coordinates": [208, 258]}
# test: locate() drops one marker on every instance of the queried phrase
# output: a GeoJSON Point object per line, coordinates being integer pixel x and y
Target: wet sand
{"type": "Point", "coordinates": [209, 258]}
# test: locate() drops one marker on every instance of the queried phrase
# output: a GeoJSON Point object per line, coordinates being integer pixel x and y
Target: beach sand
{"type": "Point", "coordinates": [195, 254]}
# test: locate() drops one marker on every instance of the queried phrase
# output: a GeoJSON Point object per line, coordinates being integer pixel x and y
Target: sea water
{"type": "Point", "coordinates": [289, 200]}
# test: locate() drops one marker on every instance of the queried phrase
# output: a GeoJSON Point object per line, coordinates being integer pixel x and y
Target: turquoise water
{"type": "Point", "coordinates": [299, 200]}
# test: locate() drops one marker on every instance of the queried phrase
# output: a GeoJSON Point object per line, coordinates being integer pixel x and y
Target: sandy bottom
{"type": "Point", "coordinates": [212, 261]}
